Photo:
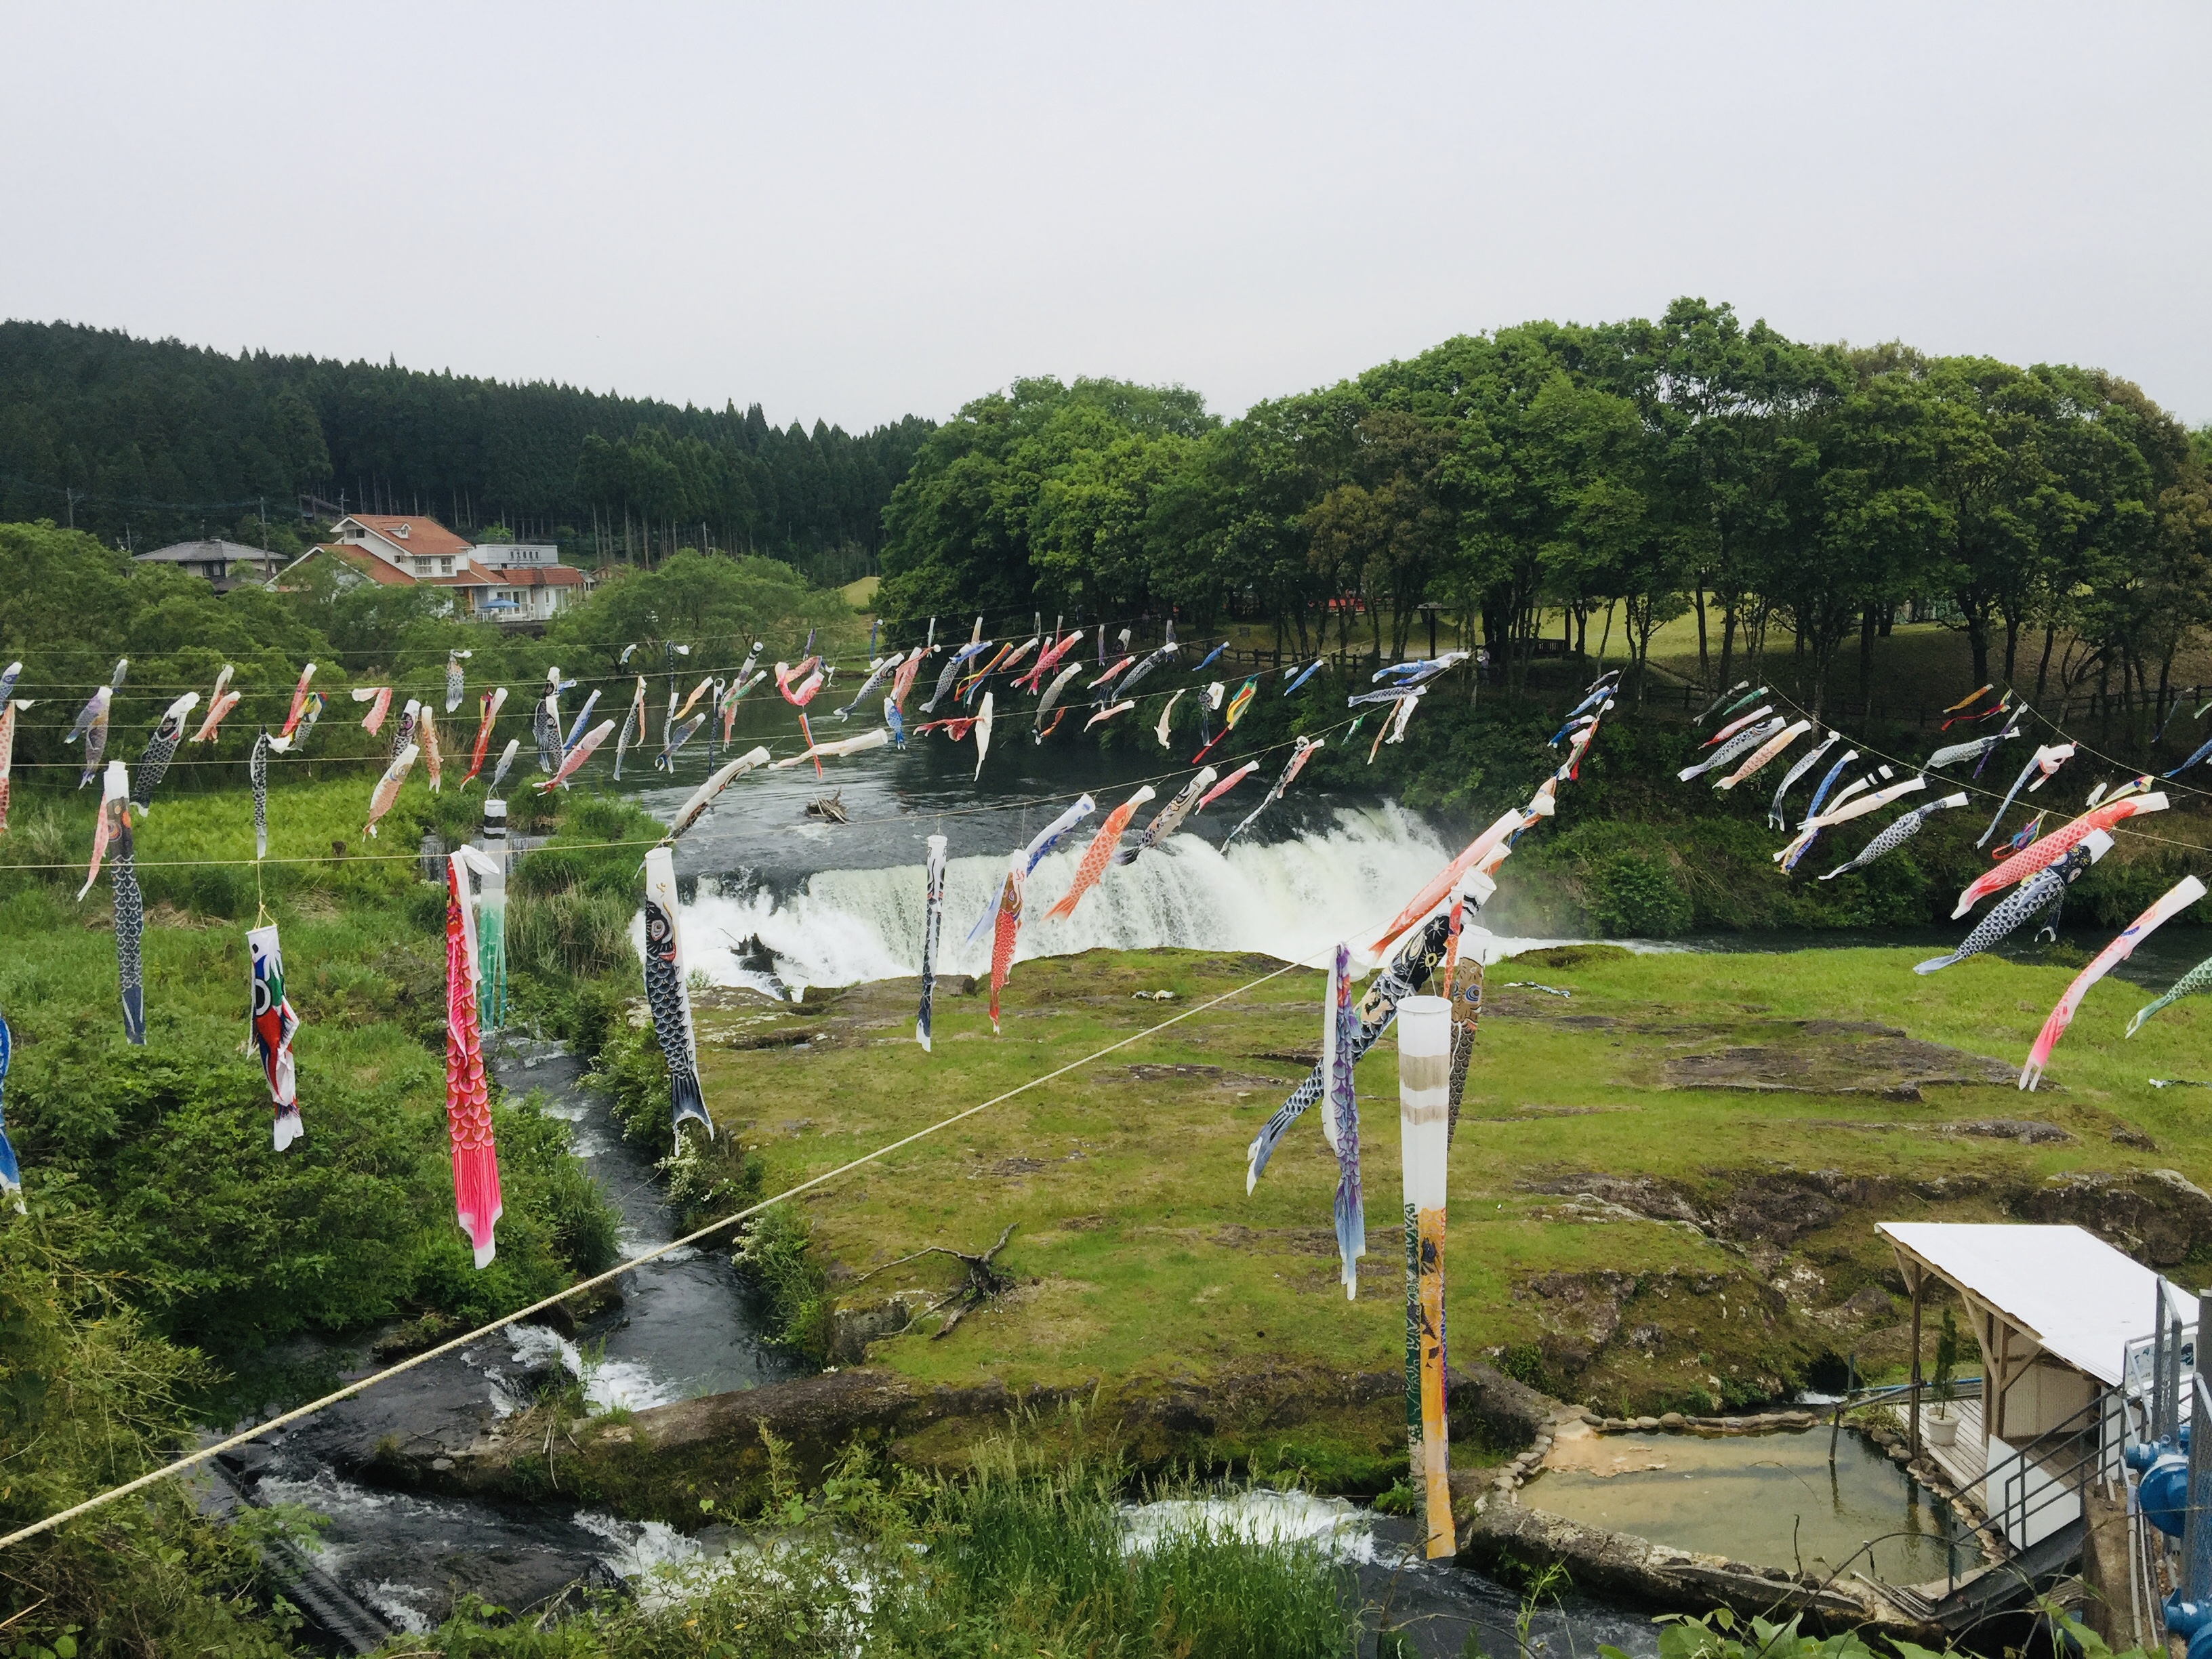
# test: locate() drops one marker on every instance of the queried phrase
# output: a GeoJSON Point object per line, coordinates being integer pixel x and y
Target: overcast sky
{"type": "Point", "coordinates": [856, 212]}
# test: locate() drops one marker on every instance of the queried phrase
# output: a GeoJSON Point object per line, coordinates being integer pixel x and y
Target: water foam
{"type": "Point", "coordinates": [1291, 899]}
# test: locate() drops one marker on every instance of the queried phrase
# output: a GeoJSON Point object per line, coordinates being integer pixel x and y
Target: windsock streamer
{"type": "Point", "coordinates": [2176, 899]}
{"type": "Point", "coordinates": [283, 738]}
{"type": "Point", "coordinates": [1713, 707]}
{"type": "Point", "coordinates": [2041, 765]}
{"type": "Point", "coordinates": [379, 699]}
{"type": "Point", "coordinates": [1007, 927]}
{"type": "Point", "coordinates": [1237, 705]}
{"type": "Point", "coordinates": [2189, 985]}
{"type": "Point", "coordinates": [667, 997]}
{"type": "Point", "coordinates": [274, 1024]}
{"type": "Point", "coordinates": [576, 757]}
{"type": "Point", "coordinates": [704, 796]}
{"type": "Point", "coordinates": [1096, 856]}
{"type": "Point", "coordinates": [387, 786]}
{"type": "Point", "coordinates": [2026, 863]}
{"type": "Point", "coordinates": [476, 1203]}
{"type": "Point", "coordinates": [1303, 750]}
{"type": "Point", "coordinates": [1896, 835]}
{"type": "Point", "coordinates": [1417, 958]}
{"type": "Point", "coordinates": [1032, 855]}
{"type": "Point", "coordinates": [1340, 1122]}
{"type": "Point", "coordinates": [160, 748]}
{"type": "Point", "coordinates": [489, 704]}
{"type": "Point", "coordinates": [1229, 781]}
{"type": "Point", "coordinates": [9, 708]}
{"type": "Point", "coordinates": [2042, 894]}
{"type": "Point", "coordinates": [456, 683]}
{"type": "Point", "coordinates": [1805, 763]}
{"type": "Point", "coordinates": [1736, 725]}
{"type": "Point", "coordinates": [933, 924]}
{"type": "Point", "coordinates": [1763, 753]}
{"type": "Point", "coordinates": [1741, 744]}
{"type": "Point", "coordinates": [1508, 823]}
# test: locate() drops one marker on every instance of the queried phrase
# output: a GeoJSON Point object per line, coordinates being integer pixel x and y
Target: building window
{"type": "Point", "coordinates": [445, 566]}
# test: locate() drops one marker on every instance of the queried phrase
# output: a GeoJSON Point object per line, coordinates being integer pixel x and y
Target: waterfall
{"type": "Point", "coordinates": [1288, 898]}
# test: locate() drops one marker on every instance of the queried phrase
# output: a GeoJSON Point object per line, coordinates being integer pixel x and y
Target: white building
{"type": "Point", "coordinates": [515, 583]}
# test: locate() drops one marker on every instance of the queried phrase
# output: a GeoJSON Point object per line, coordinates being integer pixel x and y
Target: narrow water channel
{"type": "Point", "coordinates": [683, 1329]}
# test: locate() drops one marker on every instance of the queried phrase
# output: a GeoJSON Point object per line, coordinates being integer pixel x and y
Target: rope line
{"type": "Point", "coordinates": [896, 817]}
{"type": "Point", "coordinates": [193, 1459]}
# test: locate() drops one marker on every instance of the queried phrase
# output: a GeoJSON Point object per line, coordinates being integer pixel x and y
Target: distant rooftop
{"type": "Point", "coordinates": [207, 552]}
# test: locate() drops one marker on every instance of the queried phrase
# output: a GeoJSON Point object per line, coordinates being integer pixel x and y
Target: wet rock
{"type": "Point", "coordinates": [1868, 1301]}
{"type": "Point", "coordinates": [1515, 1537]}
{"type": "Point", "coordinates": [2027, 1131]}
{"type": "Point", "coordinates": [2134, 1138]}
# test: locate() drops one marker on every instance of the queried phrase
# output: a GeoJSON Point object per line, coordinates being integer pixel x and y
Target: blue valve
{"type": "Point", "coordinates": [2163, 1494]}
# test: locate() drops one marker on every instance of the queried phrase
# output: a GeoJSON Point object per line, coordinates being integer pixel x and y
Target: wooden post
{"type": "Point", "coordinates": [1918, 1278]}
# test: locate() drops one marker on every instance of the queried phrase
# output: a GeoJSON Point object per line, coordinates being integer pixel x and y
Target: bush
{"type": "Point", "coordinates": [775, 1258]}
{"type": "Point", "coordinates": [1634, 895]}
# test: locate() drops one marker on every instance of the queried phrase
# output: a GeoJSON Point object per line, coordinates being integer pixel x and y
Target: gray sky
{"type": "Point", "coordinates": [856, 212]}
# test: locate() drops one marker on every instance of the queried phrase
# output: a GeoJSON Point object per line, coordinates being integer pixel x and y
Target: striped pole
{"type": "Point", "coordinates": [1425, 1124]}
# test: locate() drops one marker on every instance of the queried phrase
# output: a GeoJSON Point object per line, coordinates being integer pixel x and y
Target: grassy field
{"type": "Point", "coordinates": [1664, 1187]}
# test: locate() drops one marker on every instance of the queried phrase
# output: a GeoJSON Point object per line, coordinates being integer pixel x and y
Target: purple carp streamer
{"type": "Point", "coordinates": [11, 1173]}
{"type": "Point", "coordinates": [274, 1026]}
{"type": "Point", "coordinates": [932, 923]}
{"type": "Point", "coordinates": [666, 995]}
{"type": "Point", "coordinates": [1339, 1030]}
{"type": "Point", "coordinates": [92, 726]}
{"type": "Point", "coordinates": [1419, 958]}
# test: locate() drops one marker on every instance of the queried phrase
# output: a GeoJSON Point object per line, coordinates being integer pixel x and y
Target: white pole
{"type": "Point", "coordinates": [1424, 1125]}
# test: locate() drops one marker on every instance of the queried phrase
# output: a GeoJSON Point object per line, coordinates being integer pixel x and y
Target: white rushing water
{"type": "Point", "coordinates": [1291, 899]}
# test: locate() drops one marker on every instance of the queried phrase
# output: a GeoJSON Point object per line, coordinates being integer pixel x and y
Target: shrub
{"type": "Point", "coordinates": [1634, 895]}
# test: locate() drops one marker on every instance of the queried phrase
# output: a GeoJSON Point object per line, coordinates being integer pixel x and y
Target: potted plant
{"type": "Point", "coordinates": [1941, 1427]}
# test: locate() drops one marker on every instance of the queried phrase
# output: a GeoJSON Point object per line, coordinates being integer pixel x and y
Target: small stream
{"type": "Point", "coordinates": [684, 1329]}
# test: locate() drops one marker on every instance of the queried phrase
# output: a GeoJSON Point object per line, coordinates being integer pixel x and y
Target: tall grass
{"type": "Point", "coordinates": [1025, 1558]}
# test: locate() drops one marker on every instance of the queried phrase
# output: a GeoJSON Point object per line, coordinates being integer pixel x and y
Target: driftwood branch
{"type": "Point", "coordinates": [982, 1281]}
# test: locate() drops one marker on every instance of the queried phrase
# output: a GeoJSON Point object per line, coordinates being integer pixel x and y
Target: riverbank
{"type": "Point", "coordinates": [1664, 1187]}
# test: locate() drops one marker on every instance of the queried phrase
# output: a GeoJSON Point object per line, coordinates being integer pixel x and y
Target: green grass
{"type": "Point", "coordinates": [165, 1149]}
{"type": "Point", "coordinates": [1138, 1255]}
{"type": "Point", "coordinates": [1023, 1556]}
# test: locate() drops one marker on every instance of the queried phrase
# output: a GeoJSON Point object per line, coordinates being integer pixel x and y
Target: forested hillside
{"type": "Point", "coordinates": [152, 440]}
{"type": "Point", "coordinates": [2055, 515]}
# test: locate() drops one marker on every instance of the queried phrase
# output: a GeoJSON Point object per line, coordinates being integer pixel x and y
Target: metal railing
{"type": "Point", "coordinates": [2040, 1488]}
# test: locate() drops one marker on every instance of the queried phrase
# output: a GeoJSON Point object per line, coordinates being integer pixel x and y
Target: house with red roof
{"type": "Point", "coordinates": [515, 584]}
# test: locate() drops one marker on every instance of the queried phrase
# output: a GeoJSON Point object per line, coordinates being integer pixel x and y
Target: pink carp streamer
{"type": "Point", "coordinates": [379, 699]}
{"type": "Point", "coordinates": [488, 702]}
{"type": "Point", "coordinates": [216, 713]}
{"type": "Point", "coordinates": [468, 1099]}
{"type": "Point", "coordinates": [1226, 784]}
{"type": "Point", "coordinates": [2035, 857]}
{"type": "Point", "coordinates": [2176, 899]}
{"type": "Point", "coordinates": [283, 738]}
